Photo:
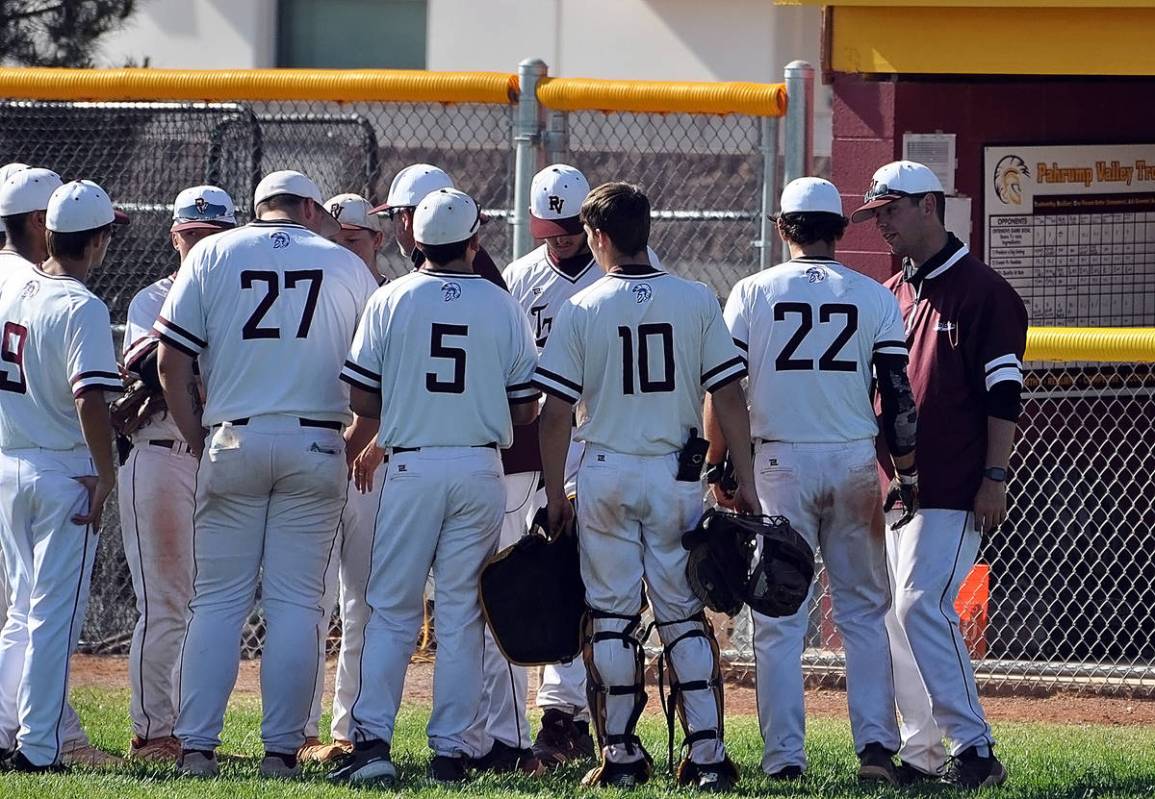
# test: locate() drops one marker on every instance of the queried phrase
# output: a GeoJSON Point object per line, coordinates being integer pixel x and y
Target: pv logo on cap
{"type": "Point", "coordinates": [335, 209]}
{"type": "Point", "coordinates": [451, 291]}
{"type": "Point", "coordinates": [556, 203]}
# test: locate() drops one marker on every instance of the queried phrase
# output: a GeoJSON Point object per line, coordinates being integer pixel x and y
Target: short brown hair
{"type": "Point", "coordinates": [622, 212]}
{"type": "Point", "coordinates": [72, 245]}
{"type": "Point", "coordinates": [811, 227]}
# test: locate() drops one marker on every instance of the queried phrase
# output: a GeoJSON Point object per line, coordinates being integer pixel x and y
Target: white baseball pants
{"type": "Point", "coordinates": [829, 492]}
{"type": "Point", "coordinates": [929, 559]}
{"type": "Point", "coordinates": [631, 517]}
{"type": "Point", "coordinates": [563, 685]}
{"type": "Point", "coordinates": [269, 500]}
{"type": "Point", "coordinates": [502, 713]}
{"type": "Point", "coordinates": [49, 563]}
{"type": "Point", "coordinates": [157, 494]}
{"type": "Point", "coordinates": [345, 581]}
{"type": "Point", "coordinates": [441, 508]}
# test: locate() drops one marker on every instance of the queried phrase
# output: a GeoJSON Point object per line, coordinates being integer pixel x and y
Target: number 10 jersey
{"type": "Point", "coordinates": [810, 329]}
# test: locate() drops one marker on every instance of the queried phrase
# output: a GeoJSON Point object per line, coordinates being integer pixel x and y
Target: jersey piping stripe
{"type": "Point", "coordinates": [882, 345]}
{"type": "Point", "coordinates": [180, 331]}
{"type": "Point", "coordinates": [564, 396]}
{"type": "Point", "coordinates": [357, 382]}
{"type": "Point", "coordinates": [1004, 360]}
{"type": "Point", "coordinates": [352, 367]}
{"type": "Point", "coordinates": [564, 276]}
{"type": "Point", "coordinates": [450, 274]}
{"type": "Point", "coordinates": [172, 342]}
{"type": "Point", "coordinates": [742, 345]}
{"type": "Point", "coordinates": [725, 381]}
{"type": "Point", "coordinates": [721, 368]}
{"type": "Point", "coordinates": [86, 375]}
{"type": "Point", "coordinates": [553, 376]}
{"type": "Point", "coordinates": [623, 276]}
{"type": "Point", "coordinates": [1004, 374]}
{"type": "Point", "coordinates": [276, 223]}
{"type": "Point", "coordinates": [524, 400]}
{"type": "Point", "coordinates": [81, 390]}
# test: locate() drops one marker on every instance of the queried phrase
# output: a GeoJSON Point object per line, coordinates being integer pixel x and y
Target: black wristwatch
{"type": "Point", "coordinates": [996, 474]}
{"type": "Point", "coordinates": [715, 472]}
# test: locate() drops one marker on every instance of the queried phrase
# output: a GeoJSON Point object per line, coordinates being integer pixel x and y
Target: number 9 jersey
{"type": "Point", "coordinates": [448, 352]}
{"type": "Point", "coordinates": [810, 329]}
{"type": "Point", "coordinates": [269, 310]}
{"type": "Point", "coordinates": [638, 350]}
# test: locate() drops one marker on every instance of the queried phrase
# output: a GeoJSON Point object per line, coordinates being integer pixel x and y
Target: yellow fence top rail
{"type": "Point", "coordinates": [1105, 344]}
{"type": "Point", "coordinates": [381, 85]}
{"type": "Point", "coordinates": [662, 97]}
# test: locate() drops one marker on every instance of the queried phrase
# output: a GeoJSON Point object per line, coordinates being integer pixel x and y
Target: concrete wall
{"type": "Point", "coordinates": [196, 34]}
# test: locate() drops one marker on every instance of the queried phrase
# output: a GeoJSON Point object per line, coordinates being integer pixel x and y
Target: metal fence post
{"type": "Point", "coordinates": [768, 145]}
{"type": "Point", "coordinates": [526, 142]}
{"type": "Point", "coordinates": [556, 138]}
{"type": "Point", "coordinates": [799, 123]}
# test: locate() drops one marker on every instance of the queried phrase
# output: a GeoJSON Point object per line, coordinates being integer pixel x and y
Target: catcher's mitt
{"type": "Point", "coordinates": [722, 572]}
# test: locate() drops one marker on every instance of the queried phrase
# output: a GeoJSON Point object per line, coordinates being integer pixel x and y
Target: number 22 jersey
{"type": "Point", "coordinates": [269, 310]}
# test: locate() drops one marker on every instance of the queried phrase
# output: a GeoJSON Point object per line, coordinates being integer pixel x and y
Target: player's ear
{"type": "Point", "coordinates": [378, 240]}
{"type": "Point", "coordinates": [172, 237]}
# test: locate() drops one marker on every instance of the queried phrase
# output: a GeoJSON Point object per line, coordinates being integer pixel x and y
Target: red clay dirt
{"type": "Point", "coordinates": [111, 672]}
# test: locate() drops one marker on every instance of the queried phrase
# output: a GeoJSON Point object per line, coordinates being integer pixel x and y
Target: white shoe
{"type": "Point", "coordinates": [195, 763]}
{"type": "Point", "coordinates": [280, 766]}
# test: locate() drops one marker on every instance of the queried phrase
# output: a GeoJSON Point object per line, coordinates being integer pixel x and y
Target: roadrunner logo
{"type": "Point", "coordinates": [1009, 174]}
{"type": "Point", "coordinates": [556, 203]}
{"type": "Point", "coordinates": [643, 293]}
{"type": "Point", "coordinates": [815, 274]}
{"type": "Point", "coordinates": [451, 291]}
{"type": "Point", "coordinates": [335, 209]}
{"type": "Point", "coordinates": [280, 240]}
{"type": "Point", "coordinates": [30, 289]}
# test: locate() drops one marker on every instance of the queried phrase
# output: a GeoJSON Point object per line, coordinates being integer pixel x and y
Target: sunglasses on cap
{"type": "Point", "coordinates": [202, 211]}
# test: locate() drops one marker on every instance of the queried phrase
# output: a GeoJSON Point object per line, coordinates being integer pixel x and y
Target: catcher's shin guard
{"type": "Point", "coordinates": [690, 657]}
{"type": "Point", "coordinates": [615, 672]}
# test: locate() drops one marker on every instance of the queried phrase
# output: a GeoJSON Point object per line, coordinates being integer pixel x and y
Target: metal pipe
{"type": "Point", "coordinates": [556, 139]}
{"type": "Point", "coordinates": [799, 123]}
{"type": "Point", "coordinates": [768, 145]}
{"type": "Point", "coordinates": [526, 141]}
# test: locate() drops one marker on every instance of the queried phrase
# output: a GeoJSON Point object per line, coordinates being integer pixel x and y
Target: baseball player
{"type": "Point", "coordinates": [815, 334]}
{"type": "Point", "coordinates": [409, 187]}
{"type": "Point", "coordinates": [23, 207]}
{"type": "Point", "coordinates": [967, 330]}
{"type": "Point", "coordinates": [445, 340]}
{"type": "Point", "coordinates": [157, 498]}
{"type": "Point", "coordinates": [268, 309]}
{"type": "Point", "coordinates": [348, 574]}
{"type": "Point", "coordinates": [636, 352]}
{"type": "Point", "coordinates": [56, 466]}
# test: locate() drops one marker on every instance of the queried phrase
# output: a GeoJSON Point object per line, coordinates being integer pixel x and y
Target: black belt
{"type": "Point", "coordinates": [399, 450]}
{"type": "Point", "coordinates": [303, 422]}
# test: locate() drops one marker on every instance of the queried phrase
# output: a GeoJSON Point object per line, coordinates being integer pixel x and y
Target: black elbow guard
{"type": "Point", "coordinates": [899, 415]}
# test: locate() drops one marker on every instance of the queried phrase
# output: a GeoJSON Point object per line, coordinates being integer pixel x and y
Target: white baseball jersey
{"type": "Point", "coordinates": [811, 328]}
{"type": "Point", "coordinates": [269, 309]}
{"type": "Point", "coordinates": [638, 350]}
{"type": "Point", "coordinates": [12, 262]}
{"type": "Point", "coordinates": [540, 288]}
{"type": "Point", "coordinates": [448, 352]}
{"type": "Point", "coordinates": [56, 345]}
{"type": "Point", "coordinates": [138, 333]}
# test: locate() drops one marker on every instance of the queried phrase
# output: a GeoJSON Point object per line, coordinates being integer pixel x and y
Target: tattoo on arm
{"type": "Point", "coordinates": [195, 395]}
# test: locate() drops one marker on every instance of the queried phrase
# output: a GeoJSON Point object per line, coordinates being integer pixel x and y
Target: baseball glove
{"type": "Point", "coordinates": [133, 408]}
{"type": "Point", "coordinates": [723, 573]}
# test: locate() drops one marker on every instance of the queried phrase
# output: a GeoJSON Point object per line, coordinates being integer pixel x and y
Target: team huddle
{"type": "Point", "coordinates": [291, 422]}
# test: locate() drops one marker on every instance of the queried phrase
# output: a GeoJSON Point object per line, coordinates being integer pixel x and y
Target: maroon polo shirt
{"type": "Point", "coordinates": [966, 329]}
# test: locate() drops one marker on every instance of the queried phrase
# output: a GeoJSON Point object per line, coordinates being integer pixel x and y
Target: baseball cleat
{"type": "Point", "coordinates": [618, 775]}
{"type": "Point", "coordinates": [913, 775]}
{"type": "Point", "coordinates": [314, 751]}
{"type": "Point", "coordinates": [88, 756]}
{"type": "Point", "coordinates": [370, 763]}
{"type": "Point", "coordinates": [970, 771]}
{"type": "Point", "coordinates": [16, 761]}
{"type": "Point", "coordinates": [876, 765]}
{"type": "Point", "coordinates": [154, 750]}
{"type": "Point", "coordinates": [506, 759]}
{"type": "Point", "coordinates": [198, 763]}
{"type": "Point", "coordinates": [717, 777]}
{"type": "Point", "coordinates": [787, 773]}
{"type": "Point", "coordinates": [279, 765]}
{"type": "Point", "coordinates": [448, 770]}
{"type": "Point", "coordinates": [562, 740]}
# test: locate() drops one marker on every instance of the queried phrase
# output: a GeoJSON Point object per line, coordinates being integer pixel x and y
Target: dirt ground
{"type": "Point", "coordinates": [103, 671]}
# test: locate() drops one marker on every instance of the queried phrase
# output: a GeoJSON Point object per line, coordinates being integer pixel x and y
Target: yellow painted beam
{"type": "Point", "coordinates": [1094, 344]}
{"type": "Point", "coordinates": [663, 97]}
{"type": "Point", "coordinates": [993, 41]}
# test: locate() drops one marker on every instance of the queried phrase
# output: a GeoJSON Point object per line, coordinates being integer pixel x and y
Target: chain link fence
{"type": "Point", "coordinates": [1064, 592]}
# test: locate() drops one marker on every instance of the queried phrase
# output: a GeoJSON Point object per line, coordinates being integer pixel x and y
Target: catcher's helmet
{"type": "Point", "coordinates": [722, 572]}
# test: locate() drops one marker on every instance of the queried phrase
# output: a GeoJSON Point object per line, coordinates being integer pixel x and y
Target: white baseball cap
{"type": "Point", "coordinates": [555, 201]}
{"type": "Point", "coordinates": [353, 212]}
{"type": "Point", "coordinates": [412, 184]}
{"type": "Point", "coordinates": [28, 190]}
{"type": "Point", "coordinates": [446, 216]}
{"type": "Point", "coordinates": [810, 196]}
{"type": "Point", "coordinates": [894, 181]}
{"type": "Point", "coordinates": [203, 207]}
{"type": "Point", "coordinates": [6, 171]}
{"type": "Point", "coordinates": [286, 181]}
{"type": "Point", "coordinates": [81, 205]}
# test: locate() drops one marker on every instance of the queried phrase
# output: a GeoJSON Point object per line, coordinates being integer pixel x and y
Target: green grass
{"type": "Point", "coordinates": [1044, 760]}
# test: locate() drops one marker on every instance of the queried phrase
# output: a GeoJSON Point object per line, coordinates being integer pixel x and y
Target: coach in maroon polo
{"type": "Point", "coordinates": [966, 329]}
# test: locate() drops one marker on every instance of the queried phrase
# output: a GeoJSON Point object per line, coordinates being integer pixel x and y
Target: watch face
{"type": "Point", "coordinates": [995, 473]}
